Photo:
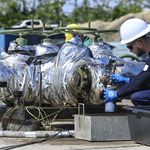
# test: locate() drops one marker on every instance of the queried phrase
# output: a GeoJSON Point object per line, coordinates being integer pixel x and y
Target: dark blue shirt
{"type": "Point", "coordinates": [138, 83]}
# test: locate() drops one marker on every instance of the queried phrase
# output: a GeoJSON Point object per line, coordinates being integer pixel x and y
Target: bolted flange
{"type": "Point", "coordinates": [81, 81]}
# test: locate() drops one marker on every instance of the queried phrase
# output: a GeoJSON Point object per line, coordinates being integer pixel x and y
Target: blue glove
{"type": "Point", "coordinates": [117, 78]}
{"type": "Point", "coordinates": [110, 95]}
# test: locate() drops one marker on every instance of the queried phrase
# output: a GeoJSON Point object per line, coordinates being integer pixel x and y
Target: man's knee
{"type": "Point", "coordinates": [134, 98]}
{"type": "Point", "coordinates": [140, 98]}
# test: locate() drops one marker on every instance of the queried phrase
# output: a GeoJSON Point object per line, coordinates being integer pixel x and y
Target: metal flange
{"type": "Point", "coordinates": [81, 81]}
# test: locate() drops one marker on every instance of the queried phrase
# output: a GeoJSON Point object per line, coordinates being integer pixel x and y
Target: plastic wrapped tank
{"type": "Point", "coordinates": [75, 72]}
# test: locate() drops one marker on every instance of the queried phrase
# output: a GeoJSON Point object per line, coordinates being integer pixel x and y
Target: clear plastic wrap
{"type": "Point", "coordinates": [60, 69]}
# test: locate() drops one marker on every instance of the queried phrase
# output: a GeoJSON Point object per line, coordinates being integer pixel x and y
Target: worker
{"type": "Point", "coordinates": [86, 40]}
{"type": "Point", "coordinates": [135, 33]}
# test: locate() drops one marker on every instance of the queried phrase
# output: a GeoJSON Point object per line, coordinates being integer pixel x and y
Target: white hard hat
{"type": "Point", "coordinates": [133, 29]}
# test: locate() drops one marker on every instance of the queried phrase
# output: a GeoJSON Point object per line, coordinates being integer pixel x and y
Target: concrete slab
{"type": "Point", "coordinates": [102, 127]}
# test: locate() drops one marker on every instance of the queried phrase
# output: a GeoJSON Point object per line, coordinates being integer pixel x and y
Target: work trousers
{"type": "Point", "coordinates": [141, 98]}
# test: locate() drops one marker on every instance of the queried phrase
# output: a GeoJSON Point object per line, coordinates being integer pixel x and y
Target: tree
{"type": "Point", "coordinates": [12, 12]}
{"type": "Point", "coordinates": [125, 7]}
{"type": "Point", "coordinates": [51, 11]}
{"type": "Point", "coordinates": [102, 9]}
{"type": "Point", "coordinates": [85, 13]}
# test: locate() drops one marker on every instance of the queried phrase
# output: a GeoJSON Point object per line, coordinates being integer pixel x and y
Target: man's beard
{"type": "Point", "coordinates": [140, 51]}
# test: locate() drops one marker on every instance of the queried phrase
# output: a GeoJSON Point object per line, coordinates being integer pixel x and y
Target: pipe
{"type": "Point", "coordinates": [130, 56]}
{"type": "Point", "coordinates": [36, 134]}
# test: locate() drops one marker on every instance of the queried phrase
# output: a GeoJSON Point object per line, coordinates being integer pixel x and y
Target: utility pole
{"type": "Point", "coordinates": [86, 11]}
{"type": "Point", "coordinates": [75, 10]}
{"type": "Point", "coordinates": [24, 6]}
{"type": "Point", "coordinates": [75, 17]}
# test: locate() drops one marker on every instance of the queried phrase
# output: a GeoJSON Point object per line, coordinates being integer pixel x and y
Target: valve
{"type": "Point", "coordinates": [83, 30]}
{"type": "Point", "coordinates": [81, 82]}
{"type": "Point", "coordinates": [75, 30]}
{"type": "Point", "coordinates": [23, 32]}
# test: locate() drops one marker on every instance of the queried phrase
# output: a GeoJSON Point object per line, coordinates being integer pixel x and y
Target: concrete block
{"type": "Point", "coordinates": [102, 127]}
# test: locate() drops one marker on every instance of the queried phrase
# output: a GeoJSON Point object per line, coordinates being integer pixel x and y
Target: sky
{"type": "Point", "coordinates": [69, 6]}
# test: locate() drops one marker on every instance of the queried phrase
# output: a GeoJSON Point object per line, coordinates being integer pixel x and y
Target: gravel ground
{"type": "Point", "coordinates": [126, 102]}
{"type": "Point", "coordinates": [70, 144]}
